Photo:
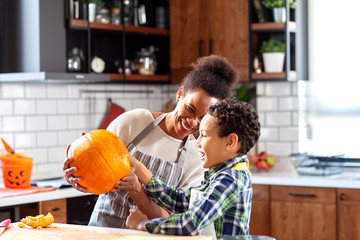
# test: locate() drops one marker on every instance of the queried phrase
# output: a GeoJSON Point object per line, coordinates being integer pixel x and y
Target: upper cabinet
{"type": "Point", "coordinates": [204, 27]}
{"type": "Point", "coordinates": [278, 40]}
{"type": "Point", "coordinates": [126, 39]}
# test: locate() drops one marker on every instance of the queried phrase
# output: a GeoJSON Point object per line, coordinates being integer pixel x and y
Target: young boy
{"type": "Point", "coordinates": [227, 132]}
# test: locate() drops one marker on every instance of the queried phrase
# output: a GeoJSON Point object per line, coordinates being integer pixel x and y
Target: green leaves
{"type": "Point", "coordinates": [273, 45]}
{"type": "Point", "coordinates": [278, 3]}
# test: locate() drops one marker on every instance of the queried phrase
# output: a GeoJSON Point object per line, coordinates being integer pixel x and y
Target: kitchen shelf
{"type": "Point", "coordinates": [273, 76]}
{"type": "Point", "coordinates": [273, 26]}
{"type": "Point", "coordinates": [77, 23]}
{"type": "Point", "coordinates": [139, 78]}
{"type": "Point", "coordinates": [292, 32]}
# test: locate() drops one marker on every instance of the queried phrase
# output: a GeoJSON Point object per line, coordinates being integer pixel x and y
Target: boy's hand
{"type": "Point", "coordinates": [129, 183]}
{"type": "Point", "coordinates": [136, 220]}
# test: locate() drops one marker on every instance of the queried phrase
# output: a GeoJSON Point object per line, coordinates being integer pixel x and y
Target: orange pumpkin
{"type": "Point", "coordinates": [101, 159]}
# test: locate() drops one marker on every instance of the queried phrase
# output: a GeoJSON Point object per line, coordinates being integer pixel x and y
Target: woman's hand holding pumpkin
{"type": "Point", "coordinates": [68, 175]}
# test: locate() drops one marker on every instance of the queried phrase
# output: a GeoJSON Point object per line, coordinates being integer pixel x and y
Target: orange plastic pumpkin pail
{"type": "Point", "coordinates": [16, 171]}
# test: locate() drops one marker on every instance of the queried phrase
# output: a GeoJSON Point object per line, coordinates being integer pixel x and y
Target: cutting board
{"type": "Point", "coordinates": [58, 231]}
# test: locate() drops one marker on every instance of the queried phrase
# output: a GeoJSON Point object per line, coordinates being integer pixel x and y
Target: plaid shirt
{"type": "Point", "coordinates": [226, 202]}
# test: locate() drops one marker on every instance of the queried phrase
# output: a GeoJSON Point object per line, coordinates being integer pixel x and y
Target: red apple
{"type": "Point", "coordinates": [261, 165]}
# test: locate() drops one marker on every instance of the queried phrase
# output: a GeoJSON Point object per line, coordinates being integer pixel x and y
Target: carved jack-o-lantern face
{"type": "Point", "coordinates": [17, 178]}
{"type": "Point", "coordinates": [16, 171]}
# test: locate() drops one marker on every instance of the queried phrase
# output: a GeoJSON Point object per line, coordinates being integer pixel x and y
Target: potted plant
{"type": "Point", "coordinates": [273, 53]}
{"type": "Point", "coordinates": [278, 8]}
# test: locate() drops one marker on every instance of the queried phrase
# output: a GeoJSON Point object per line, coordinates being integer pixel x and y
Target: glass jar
{"type": "Point", "coordinates": [74, 59]}
{"type": "Point", "coordinates": [145, 62]}
{"type": "Point", "coordinates": [115, 16]}
{"type": "Point", "coordinates": [102, 16]}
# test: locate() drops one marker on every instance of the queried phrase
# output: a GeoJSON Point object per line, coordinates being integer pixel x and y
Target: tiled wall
{"type": "Point", "coordinates": [43, 119]}
{"type": "Point", "coordinates": [279, 105]}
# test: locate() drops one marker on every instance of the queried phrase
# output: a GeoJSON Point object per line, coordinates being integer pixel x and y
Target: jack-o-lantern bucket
{"type": "Point", "coordinates": [16, 170]}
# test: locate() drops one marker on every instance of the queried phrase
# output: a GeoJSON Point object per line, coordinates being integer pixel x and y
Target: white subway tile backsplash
{"type": "Point", "coordinates": [67, 106]}
{"type": "Point", "coordinates": [289, 134]}
{"type": "Point", "coordinates": [56, 154]}
{"type": "Point", "coordinates": [269, 134]}
{"type": "Point", "coordinates": [288, 103]}
{"type": "Point", "coordinates": [57, 91]}
{"type": "Point", "coordinates": [24, 107]}
{"type": "Point", "coordinates": [278, 119]}
{"type": "Point", "coordinates": [67, 137]}
{"type": "Point", "coordinates": [39, 155]}
{"type": "Point", "coordinates": [278, 89]}
{"type": "Point", "coordinates": [36, 123]}
{"type": "Point", "coordinates": [46, 139]}
{"type": "Point", "coordinates": [12, 90]}
{"type": "Point", "coordinates": [260, 89]}
{"type": "Point", "coordinates": [6, 107]}
{"type": "Point", "coordinates": [267, 104]}
{"type": "Point", "coordinates": [46, 107]}
{"type": "Point", "coordinates": [35, 91]}
{"type": "Point", "coordinates": [78, 121]}
{"type": "Point", "coordinates": [279, 148]}
{"type": "Point", "coordinates": [13, 124]}
{"type": "Point", "coordinates": [25, 140]}
{"type": "Point", "coordinates": [58, 122]}
{"type": "Point", "coordinates": [140, 103]}
{"type": "Point", "coordinates": [156, 105]}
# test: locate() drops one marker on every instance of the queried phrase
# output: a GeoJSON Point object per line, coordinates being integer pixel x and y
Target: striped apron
{"type": "Point", "coordinates": [112, 208]}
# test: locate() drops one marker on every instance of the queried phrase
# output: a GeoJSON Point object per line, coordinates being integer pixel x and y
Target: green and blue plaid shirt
{"type": "Point", "coordinates": [226, 202]}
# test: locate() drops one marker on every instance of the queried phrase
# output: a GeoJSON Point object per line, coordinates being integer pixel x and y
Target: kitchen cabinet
{"type": "Point", "coordinates": [303, 213]}
{"type": "Point", "coordinates": [260, 211]}
{"type": "Point", "coordinates": [116, 44]}
{"type": "Point", "coordinates": [348, 212]}
{"type": "Point", "coordinates": [293, 32]}
{"type": "Point", "coordinates": [73, 210]}
{"type": "Point", "coordinates": [204, 27]}
{"type": "Point", "coordinates": [56, 207]}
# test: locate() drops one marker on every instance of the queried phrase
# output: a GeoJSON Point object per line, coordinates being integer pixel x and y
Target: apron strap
{"type": "Point", "coordinates": [242, 166]}
{"type": "Point", "coordinates": [148, 129]}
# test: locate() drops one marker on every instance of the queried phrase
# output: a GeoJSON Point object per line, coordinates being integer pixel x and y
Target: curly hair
{"type": "Point", "coordinates": [233, 116]}
{"type": "Point", "coordinates": [214, 74]}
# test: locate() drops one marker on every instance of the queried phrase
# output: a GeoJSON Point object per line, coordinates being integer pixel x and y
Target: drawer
{"type": "Point", "coordinates": [56, 207]}
{"type": "Point", "coordinates": [303, 194]}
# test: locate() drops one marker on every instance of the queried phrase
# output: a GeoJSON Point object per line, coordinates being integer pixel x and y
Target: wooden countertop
{"type": "Point", "coordinates": [58, 231]}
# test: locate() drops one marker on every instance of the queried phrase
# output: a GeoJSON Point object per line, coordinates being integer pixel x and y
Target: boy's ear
{"type": "Point", "coordinates": [232, 141]}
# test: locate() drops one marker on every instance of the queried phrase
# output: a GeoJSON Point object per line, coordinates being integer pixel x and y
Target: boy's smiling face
{"type": "Point", "coordinates": [211, 147]}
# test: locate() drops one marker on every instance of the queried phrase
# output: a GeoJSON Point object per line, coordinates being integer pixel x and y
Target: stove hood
{"type": "Point", "coordinates": [33, 43]}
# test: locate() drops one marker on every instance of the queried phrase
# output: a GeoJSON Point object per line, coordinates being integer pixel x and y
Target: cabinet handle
{"type": "Point", "coordinates": [342, 197]}
{"type": "Point", "coordinates": [55, 209]}
{"type": "Point", "coordinates": [211, 46]}
{"type": "Point", "coordinates": [200, 47]}
{"type": "Point", "coordinates": [301, 195]}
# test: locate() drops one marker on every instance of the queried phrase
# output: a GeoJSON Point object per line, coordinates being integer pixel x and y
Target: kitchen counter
{"type": "Point", "coordinates": [285, 174]}
{"type": "Point", "coordinates": [57, 231]}
{"type": "Point", "coordinates": [282, 174]}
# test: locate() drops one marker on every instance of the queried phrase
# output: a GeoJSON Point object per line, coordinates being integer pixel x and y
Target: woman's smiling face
{"type": "Point", "coordinates": [189, 111]}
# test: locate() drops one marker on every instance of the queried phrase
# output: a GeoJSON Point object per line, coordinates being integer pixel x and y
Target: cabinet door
{"type": "Point", "coordinates": [229, 32]}
{"type": "Point", "coordinates": [348, 211]}
{"type": "Point", "coordinates": [188, 29]}
{"type": "Point", "coordinates": [260, 211]}
{"type": "Point", "coordinates": [303, 213]}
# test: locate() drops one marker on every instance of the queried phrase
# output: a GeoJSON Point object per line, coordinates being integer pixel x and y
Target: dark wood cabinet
{"type": "Point", "coordinates": [204, 27]}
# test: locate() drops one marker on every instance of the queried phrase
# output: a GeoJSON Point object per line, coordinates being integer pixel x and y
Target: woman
{"type": "Point", "coordinates": [163, 142]}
